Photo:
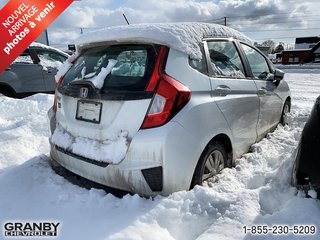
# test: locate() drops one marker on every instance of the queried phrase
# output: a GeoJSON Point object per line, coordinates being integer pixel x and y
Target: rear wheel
{"type": "Point", "coordinates": [212, 161]}
{"type": "Point", "coordinates": [6, 92]}
{"type": "Point", "coordinates": [285, 113]}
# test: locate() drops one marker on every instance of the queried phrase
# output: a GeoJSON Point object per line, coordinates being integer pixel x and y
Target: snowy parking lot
{"type": "Point", "coordinates": [256, 192]}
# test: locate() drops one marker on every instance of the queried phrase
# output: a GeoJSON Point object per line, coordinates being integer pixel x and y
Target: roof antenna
{"type": "Point", "coordinates": [126, 18]}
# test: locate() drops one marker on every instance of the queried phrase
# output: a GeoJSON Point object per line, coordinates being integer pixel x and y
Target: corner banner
{"type": "Point", "coordinates": [22, 21]}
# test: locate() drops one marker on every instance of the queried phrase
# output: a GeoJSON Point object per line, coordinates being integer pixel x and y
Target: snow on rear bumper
{"type": "Point", "coordinates": [146, 169]}
{"type": "Point", "coordinates": [107, 151]}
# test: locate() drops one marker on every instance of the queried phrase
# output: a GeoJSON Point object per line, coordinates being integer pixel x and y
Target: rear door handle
{"type": "Point", "coordinates": [262, 91]}
{"type": "Point", "coordinates": [223, 90]}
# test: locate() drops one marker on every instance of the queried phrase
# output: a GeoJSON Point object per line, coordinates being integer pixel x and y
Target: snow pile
{"type": "Point", "coordinates": [23, 128]}
{"type": "Point", "coordinates": [185, 36]}
{"type": "Point", "coordinates": [110, 151]}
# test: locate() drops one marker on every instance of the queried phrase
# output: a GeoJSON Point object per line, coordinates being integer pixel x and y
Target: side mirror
{"type": "Point", "coordinates": [278, 75]}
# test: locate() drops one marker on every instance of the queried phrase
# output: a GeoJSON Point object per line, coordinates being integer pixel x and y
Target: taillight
{"type": "Point", "coordinates": [170, 95]}
{"type": "Point", "coordinates": [55, 94]}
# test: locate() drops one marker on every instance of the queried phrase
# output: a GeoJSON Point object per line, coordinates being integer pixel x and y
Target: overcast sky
{"type": "Point", "coordinates": [279, 20]}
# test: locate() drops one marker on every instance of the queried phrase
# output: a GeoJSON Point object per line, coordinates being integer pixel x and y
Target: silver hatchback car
{"type": "Point", "coordinates": [154, 109]}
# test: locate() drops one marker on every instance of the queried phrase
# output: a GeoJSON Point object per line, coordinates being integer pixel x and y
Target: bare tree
{"type": "Point", "coordinates": [279, 48]}
{"type": "Point", "coordinates": [269, 43]}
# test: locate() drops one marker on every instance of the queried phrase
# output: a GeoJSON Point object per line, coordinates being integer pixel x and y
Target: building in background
{"type": "Point", "coordinates": [314, 54]}
{"type": "Point", "coordinates": [307, 49]}
{"type": "Point", "coordinates": [295, 56]}
{"type": "Point", "coordinates": [306, 42]}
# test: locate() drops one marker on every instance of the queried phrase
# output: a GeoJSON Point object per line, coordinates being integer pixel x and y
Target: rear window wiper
{"type": "Point", "coordinates": [82, 83]}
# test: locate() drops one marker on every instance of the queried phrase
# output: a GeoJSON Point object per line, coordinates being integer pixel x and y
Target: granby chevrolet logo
{"type": "Point", "coordinates": [31, 229]}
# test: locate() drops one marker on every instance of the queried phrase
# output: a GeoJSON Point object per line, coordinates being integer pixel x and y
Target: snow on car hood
{"type": "Point", "coordinates": [110, 150]}
{"type": "Point", "coordinates": [184, 37]}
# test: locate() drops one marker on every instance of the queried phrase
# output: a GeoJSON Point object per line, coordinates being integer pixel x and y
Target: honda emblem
{"type": "Point", "coordinates": [83, 92]}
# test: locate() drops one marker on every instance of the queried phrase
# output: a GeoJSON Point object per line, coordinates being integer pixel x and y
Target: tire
{"type": "Point", "coordinates": [211, 162]}
{"type": "Point", "coordinates": [285, 112]}
{"type": "Point", "coordinates": [6, 93]}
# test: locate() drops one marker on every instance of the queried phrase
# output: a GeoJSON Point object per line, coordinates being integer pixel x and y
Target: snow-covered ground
{"type": "Point", "coordinates": [257, 191]}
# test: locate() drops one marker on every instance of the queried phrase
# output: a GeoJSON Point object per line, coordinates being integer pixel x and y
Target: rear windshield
{"type": "Point", "coordinates": [131, 67]}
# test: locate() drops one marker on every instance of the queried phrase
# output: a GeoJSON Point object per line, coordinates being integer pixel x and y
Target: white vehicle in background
{"type": "Point", "coordinates": [154, 109]}
{"type": "Point", "coordinates": [32, 72]}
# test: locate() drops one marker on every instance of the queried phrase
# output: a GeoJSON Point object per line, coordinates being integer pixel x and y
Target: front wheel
{"type": "Point", "coordinates": [211, 162]}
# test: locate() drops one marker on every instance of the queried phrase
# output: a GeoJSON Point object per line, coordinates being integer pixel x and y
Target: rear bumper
{"type": "Point", "coordinates": [120, 177]}
{"type": "Point", "coordinates": [158, 161]}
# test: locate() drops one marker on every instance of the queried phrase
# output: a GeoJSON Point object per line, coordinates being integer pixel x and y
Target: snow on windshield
{"type": "Point", "coordinates": [45, 63]}
{"type": "Point", "coordinates": [98, 80]}
{"type": "Point", "coordinates": [97, 64]}
{"type": "Point", "coordinates": [184, 37]}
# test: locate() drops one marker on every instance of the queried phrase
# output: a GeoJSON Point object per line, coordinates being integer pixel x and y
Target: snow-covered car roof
{"type": "Point", "coordinates": [184, 37]}
{"type": "Point", "coordinates": [40, 45]}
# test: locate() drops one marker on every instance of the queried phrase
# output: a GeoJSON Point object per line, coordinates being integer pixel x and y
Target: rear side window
{"type": "Point", "coordinates": [50, 55]}
{"type": "Point", "coordinates": [199, 64]}
{"type": "Point", "coordinates": [132, 70]}
{"type": "Point", "coordinates": [257, 62]}
{"type": "Point", "coordinates": [24, 57]}
{"type": "Point", "coordinates": [225, 60]}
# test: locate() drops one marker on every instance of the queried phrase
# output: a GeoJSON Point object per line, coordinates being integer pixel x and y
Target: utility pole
{"type": "Point", "coordinates": [225, 21]}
